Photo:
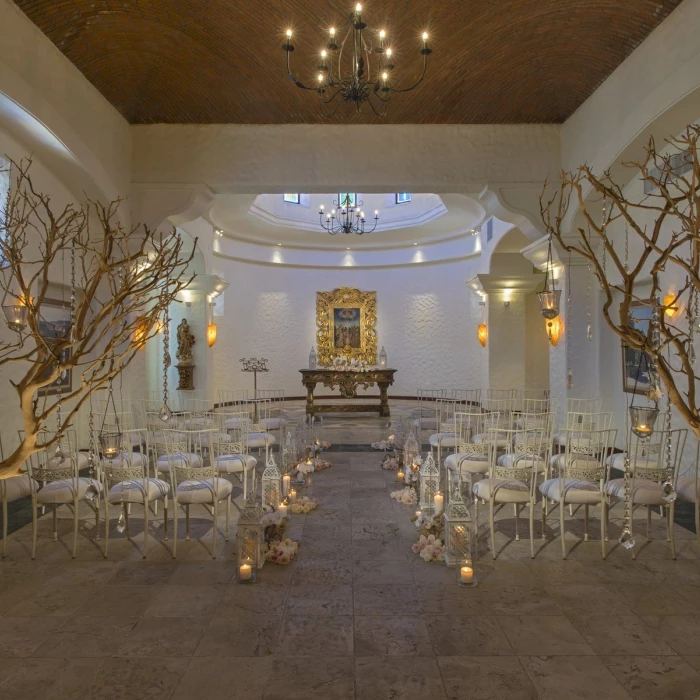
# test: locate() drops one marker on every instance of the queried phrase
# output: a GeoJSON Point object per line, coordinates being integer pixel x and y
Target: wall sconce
{"type": "Point", "coordinates": [553, 330]}
{"type": "Point", "coordinates": [482, 333]}
{"type": "Point", "coordinates": [670, 310]}
{"type": "Point", "coordinates": [211, 334]}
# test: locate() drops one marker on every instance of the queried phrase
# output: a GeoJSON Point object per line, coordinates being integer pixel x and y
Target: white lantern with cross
{"type": "Point", "coordinates": [271, 483]}
{"type": "Point", "coordinates": [429, 485]}
{"type": "Point", "coordinates": [460, 531]}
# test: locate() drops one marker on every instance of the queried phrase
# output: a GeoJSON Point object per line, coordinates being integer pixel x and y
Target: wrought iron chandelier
{"type": "Point", "coordinates": [347, 218]}
{"type": "Point", "coordinates": [358, 82]}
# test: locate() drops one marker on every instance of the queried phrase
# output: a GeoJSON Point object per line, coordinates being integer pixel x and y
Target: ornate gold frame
{"type": "Point", "coordinates": [348, 298]}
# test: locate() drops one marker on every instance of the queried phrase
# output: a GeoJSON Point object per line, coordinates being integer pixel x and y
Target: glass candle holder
{"type": "Point", "coordinates": [642, 419]}
{"type": "Point", "coordinates": [466, 576]}
{"type": "Point", "coordinates": [247, 571]}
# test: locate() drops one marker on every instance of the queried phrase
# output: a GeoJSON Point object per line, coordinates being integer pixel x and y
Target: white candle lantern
{"type": "Point", "coordinates": [249, 541]}
{"type": "Point", "coordinates": [411, 450]}
{"type": "Point", "coordinates": [460, 531]}
{"type": "Point", "coordinates": [271, 483]}
{"type": "Point", "coordinates": [429, 484]}
{"type": "Point", "coordinates": [382, 357]}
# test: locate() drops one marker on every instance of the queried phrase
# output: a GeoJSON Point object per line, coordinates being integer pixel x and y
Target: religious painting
{"type": "Point", "coordinates": [346, 321]}
{"type": "Point", "coordinates": [54, 326]}
{"type": "Point", "coordinates": [636, 364]}
{"type": "Point", "coordinates": [346, 329]}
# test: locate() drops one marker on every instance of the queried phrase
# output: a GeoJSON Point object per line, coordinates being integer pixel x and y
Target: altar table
{"type": "Point", "coordinates": [348, 382]}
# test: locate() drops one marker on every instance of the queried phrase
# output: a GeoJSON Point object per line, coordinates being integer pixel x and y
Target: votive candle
{"type": "Point", "coordinates": [283, 510]}
{"type": "Point", "coordinates": [292, 494]}
{"type": "Point", "coordinates": [466, 574]}
{"type": "Point", "coordinates": [245, 572]}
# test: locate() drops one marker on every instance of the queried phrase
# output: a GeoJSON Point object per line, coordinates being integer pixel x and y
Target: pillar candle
{"type": "Point", "coordinates": [466, 574]}
{"type": "Point", "coordinates": [245, 572]}
{"type": "Point", "coordinates": [286, 480]}
{"type": "Point", "coordinates": [439, 500]}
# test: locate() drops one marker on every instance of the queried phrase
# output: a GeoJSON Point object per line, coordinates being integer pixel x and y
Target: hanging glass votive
{"type": "Point", "coordinates": [15, 317]}
{"type": "Point", "coordinates": [110, 441]}
{"type": "Point", "coordinates": [549, 303]}
{"type": "Point", "coordinates": [642, 419]}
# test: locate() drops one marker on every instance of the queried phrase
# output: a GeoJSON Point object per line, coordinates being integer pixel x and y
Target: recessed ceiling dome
{"type": "Point", "coordinates": [269, 219]}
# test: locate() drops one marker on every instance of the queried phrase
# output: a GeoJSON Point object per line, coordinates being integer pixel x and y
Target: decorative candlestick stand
{"type": "Point", "coordinates": [254, 365]}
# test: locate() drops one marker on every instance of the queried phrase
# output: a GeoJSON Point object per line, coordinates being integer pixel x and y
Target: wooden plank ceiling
{"type": "Point", "coordinates": [220, 61]}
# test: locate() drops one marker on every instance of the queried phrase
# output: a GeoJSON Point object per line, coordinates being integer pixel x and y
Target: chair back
{"type": "Point", "coordinates": [426, 397]}
{"type": "Point", "coordinates": [584, 405]}
{"type": "Point", "coordinates": [232, 397]}
{"type": "Point", "coordinates": [582, 423]}
{"type": "Point", "coordinates": [524, 455]}
{"type": "Point", "coordinates": [467, 397]}
{"type": "Point", "coordinates": [658, 457]}
{"type": "Point", "coordinates": [444, 414]}
{"type": "Point", "coordinates": [468, 424]}
{"type": "Point", "coordinates": [585, 455]}
{"type": "Point", "coordinates": [275, 397]}
{"type": "Point", "coordinates": [50, 466]}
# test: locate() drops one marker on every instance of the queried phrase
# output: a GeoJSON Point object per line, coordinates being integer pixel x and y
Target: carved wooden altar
{"type": "Point", "coordinates": [348, 382]}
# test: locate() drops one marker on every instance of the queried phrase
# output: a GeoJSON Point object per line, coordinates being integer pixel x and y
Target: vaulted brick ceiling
{"type": "Point", "coordinates": [220, 61]}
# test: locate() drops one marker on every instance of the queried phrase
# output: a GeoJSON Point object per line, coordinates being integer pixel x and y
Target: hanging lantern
{"type": "Point", "coordinates": [429, 484]}
{"type": "Point", "coordinates": [554, 330]}
{"type": "Point", "coordinates": [211, 334]}
{"type": "Point", "coordinates": [550, 296]}
{"type": "Point", "coordinates": [110, 442]}
{"type": "Point", "coordinates": [482, 333]}
{"type": "Point", "coordinates": [249, 542]}
{"type": "Point", "coordinates": [460, 531]}
{"type": "Point", "coordinates": [642, 419]}
{"type": "Point", "coordinates": [382, 358]}
{"type": "Point", "coordinates": [271, 484]}
{"type": "Point", "coordinates": [15, 317]}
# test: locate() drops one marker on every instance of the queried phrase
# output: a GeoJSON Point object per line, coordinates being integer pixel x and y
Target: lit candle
{"type": "Point", "coordinates": [245, 572]}
{"type": "Point", "coordinates": [283, 510]}
{"type": "Point", "coordinates": [439, 500]}
{"type": "Point", "coordinates": [466, 574]}
{"type": "Point", "coordinates": [286, 481]}
{"type": "Point", "coordinates": [400, 476]}
{"type": "Point", "coordinates": [292, 494]}
{"type": "Point", "coordinates": [391, 439]}
{"type": "Point", "coordinates": [419, 513]}
{"type": "Point", "coordinates": [643, 429]}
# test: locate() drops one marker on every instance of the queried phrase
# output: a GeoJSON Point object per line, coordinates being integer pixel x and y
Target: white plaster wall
{"type": "Point", "coordinates": [536, 346]}
{"type": "Point", "coordinates": [426, 321]}
{"type": "Point", "coordinates": [507, 328]}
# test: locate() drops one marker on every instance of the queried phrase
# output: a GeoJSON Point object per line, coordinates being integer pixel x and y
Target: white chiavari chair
{"type": "Point", "coordinates": [257, 434]}
{"type": "Point", "coordinates": [470, 460]}
{"type": "Point", "coordinates": [424, 415]}
{"type": "Point", "coordinates": [60, 484]}
{"type": "Point", "coordinates": [513, 476]}
{"type": "Point", "coordinates": [126, 481]}
{"type": "Point", "coordinates": [196, 486]}
{"type": "Point", "coordinates": [192, 456]}
{"type": "Point", "coordinates": [275, 420]}
{"type": "Point", "coordinates": [446, 435]}
{"type": "Point", "coordinates": [535, 407]}
{"type": "Point", "coordinates": [578, 477]}
{"type": "Point", "coordinates": [648, 475]}
{"type": "Point", "coordinates": [582, 413]}
{"type": "Point", "coordinates": [505, 401]}
{"type": "Point", "coordinates": [231, 456]}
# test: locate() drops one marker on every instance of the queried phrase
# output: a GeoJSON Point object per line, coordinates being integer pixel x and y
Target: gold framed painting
{"type": "Point", "coordinates": [346, 321]}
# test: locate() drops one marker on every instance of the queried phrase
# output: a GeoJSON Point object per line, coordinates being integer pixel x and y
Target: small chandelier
{"type": "Point", "coordinates": [360, 82]}
{"type": "Point", "coordinates": [347, 218]}
{"type": "Point", "coordinates": [549, 297]}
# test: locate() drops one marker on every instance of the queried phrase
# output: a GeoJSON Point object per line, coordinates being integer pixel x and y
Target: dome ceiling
{"type": "Point", "coordinates": [267, 219]}
{"type": "Point", "coordinates": [216, 61]}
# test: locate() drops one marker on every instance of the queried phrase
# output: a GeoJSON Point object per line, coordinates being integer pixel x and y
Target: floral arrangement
{"type": "Point", "coordinates": [304, 468]}
{"type": "Point", "coordinates": [322, 464]}
{"type": "Point", "coordinates": [382, 445]}
{"type": "Point", "coordinates": [390, 463]}
{"type": "Point", "coordinates": [281, 551]}
{"type": "Point", "coordinates": [406, 495]}
{"type": "Point", "coordinates": [429, 524]}
{"type": "Point", "coordinates": [303, 504]}
{"type": "Point", "coordinates": [343, 363]}
{"type": "Point", "coordinates": [274, 524]}
{"type": "Point", "coordinates": [429, 548]}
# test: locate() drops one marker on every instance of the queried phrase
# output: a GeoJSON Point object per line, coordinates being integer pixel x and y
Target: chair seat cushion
{"type": "Point", "coordinates": [426, 423]}
{"type": "Point", "coordinates": [274, 423]}
{"type": "Point", "coordinates": [17, 487]}
{"type": "Point", "coordinates": [133, 491]}
{"type": "Point", "coordinates": [236, 422]}
{"type": "Point", "coordinates": [575, 491]}
{"type": "Point", "coordinates": [63, 490]}
{"type": "Point", "coordinates": [464, 462]}
{"type": "Point", "coordinates": [617, 461]}
{"type": "Point", "coordinates": [520, 461]}
{"type": "Point", "coordinates": [503, 490]}
{"type": "Point", "coordinates": [686, 488]}
{"type": "Point", "coordinates": [136, 459]}
{"type": "Point", "coordinates": [574, 461]}
{"type": "Point", "coordinates": [481, 438]}
{"type": "Point", "coordinates": [80, 457]}
{"type": "Point", "coordinates": [644, 492]}
{"type": "Point", "coordinates": [203, 490]}
{"type": "Point", "coordinates": [443, 439]}
{"type": "Point", "coordinates": [581, 436]}
{"type": "Point", "coordinates": [178, 460]}
{"type": "Point", "coordinates": [231, 464]}
{"type": "Point", "coordinates": [259, 440]}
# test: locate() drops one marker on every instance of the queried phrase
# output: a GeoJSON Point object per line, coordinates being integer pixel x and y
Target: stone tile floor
{"type": "Point", "coordinates": [357, 615]}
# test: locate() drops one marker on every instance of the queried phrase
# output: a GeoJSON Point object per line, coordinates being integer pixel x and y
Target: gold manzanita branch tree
{"type": "Point", "coordinates": [665, 223]}
{"type": "Point", "coordinates": [121, 283]}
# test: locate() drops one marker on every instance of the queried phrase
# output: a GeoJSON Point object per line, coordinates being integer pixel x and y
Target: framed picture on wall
{"type": "Point", "coordinates": [54, 326]}
{"type": "Point", "coordinates": [636, 364]}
